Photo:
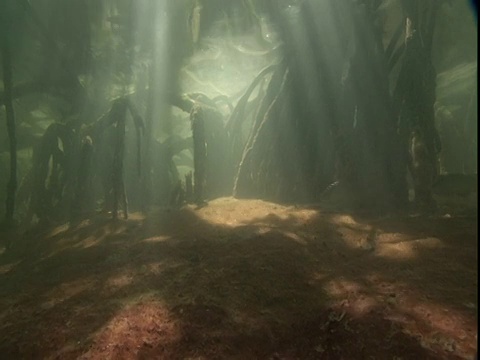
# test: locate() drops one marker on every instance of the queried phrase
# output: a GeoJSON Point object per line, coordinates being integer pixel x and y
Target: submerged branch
{"type": "Point", "coordinates": [245, 163]}
{"type": "Point", "coordinates": [240, 108]}
{"type": "Point", "coordinates": [10, 115]}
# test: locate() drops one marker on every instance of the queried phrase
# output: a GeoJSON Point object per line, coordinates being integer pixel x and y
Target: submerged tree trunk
{"type": "Point", "coordinates": [372, 164]}
{"type": "Point", "coordinates": [83, 199]}
{"type": "Point", "coordinates": [10, 116]}
{"type": "Point", "coordinates": [199, 153]}
{"type": "Point", "coordinates": [146, 175]}
{"type": "Point", "coordinates": [416, 95]}
{"type": "Point", "coordinates": [119, 112]}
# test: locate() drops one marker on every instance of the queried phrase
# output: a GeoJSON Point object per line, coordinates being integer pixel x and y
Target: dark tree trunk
{"type": "Point", "coordinates": [119, 194]}
{"type": "Point", "coordinates": [146, 176]}
{"type": "Point", "coordinates": [372, 163]}
{"type": "Point", "coordinates": [83, 200]}
{"type": "Point", "coordinates": [147, 162]}
{"type": "Point", "coordinates": [199, 153]}
{"type": "Point", "coordinates": [10, 116]}
{"type": "Point", "coordinates": [416, 95]}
